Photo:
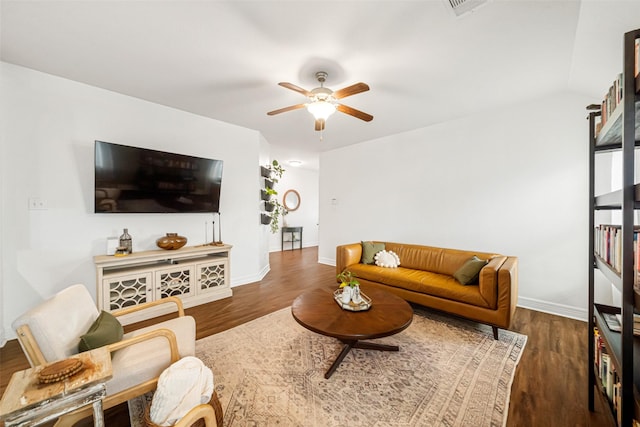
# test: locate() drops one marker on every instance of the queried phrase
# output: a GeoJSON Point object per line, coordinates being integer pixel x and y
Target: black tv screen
{"type": "Point", "coordinates": [140, 180]}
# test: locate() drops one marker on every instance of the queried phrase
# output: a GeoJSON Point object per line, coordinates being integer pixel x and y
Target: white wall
{"type": "Point", "coordinates": [265, 235]}
{"type": "Point", "coordinates": [513, 181]}
{"type": "Point", "coordinates": [49, 128]}
{"type": "Point", "coordinates": [305, 182]}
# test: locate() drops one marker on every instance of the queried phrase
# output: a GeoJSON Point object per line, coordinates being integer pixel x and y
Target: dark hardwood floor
{"type": "Point", "coordinates": [549, 388]}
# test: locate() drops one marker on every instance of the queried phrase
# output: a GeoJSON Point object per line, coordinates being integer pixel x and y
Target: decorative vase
{"type": "Point", "coordinates": [346, 294]}
{"type": "Point", "coordinates": [126, 241]}
{"type": "Point", "coordinates": [355, 295]}
{"type": "Point", "coordinates": [171, 241]}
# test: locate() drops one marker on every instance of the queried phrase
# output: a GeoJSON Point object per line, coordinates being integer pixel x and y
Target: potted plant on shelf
{"type": "Point", "coordinates": [274, 210]}
{"type": "Point", "coordinates": [273, 207]}
{"type": "Point", "coordinates": [276, 171]}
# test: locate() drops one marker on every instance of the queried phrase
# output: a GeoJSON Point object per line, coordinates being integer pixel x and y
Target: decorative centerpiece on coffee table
{"type": "Point", "coordinates": [348, 295]}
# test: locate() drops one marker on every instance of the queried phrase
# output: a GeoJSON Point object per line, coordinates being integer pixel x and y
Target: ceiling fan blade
{"type": "Point", "coordinates": [350, 90]}
{"type": "Point", "coordinates": [355, 113]}
{"type": "Point", "coordinates": [320, 124]}
{"type": "Point", "coordinates": [285, 109]}
{"type": "Point", "coordinates": [296, 88]}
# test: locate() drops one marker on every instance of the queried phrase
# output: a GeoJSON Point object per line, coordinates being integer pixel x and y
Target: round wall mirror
{"type": "Point", "coordinates": [291, 200]}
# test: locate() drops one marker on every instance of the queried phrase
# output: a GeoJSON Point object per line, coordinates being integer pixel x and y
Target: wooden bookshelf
{"type": "Point", "coordinates": [611, 133]}
{"type": "Point", "coordinates": [613, 342]}
{"type": "Point", "coordinates": [621, 132]}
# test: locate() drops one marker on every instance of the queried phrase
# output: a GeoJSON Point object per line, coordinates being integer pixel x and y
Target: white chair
{"type": "Point", "coordinates": [51, 331]}
{"type": "Point", "coordinates": [207, 413]}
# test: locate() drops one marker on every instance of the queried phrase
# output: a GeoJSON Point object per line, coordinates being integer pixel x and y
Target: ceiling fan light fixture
{"type": "Point", "coordinates": [323, 102]}
{"type": "Point", "coordinates": [321, 109]}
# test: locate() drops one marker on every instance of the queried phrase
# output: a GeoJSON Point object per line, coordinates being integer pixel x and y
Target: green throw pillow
{"type": "Point", "coordinates": [105, 330]}
{"type": "Point", "coordinates": [369, 249]}
{"type": "Point", "coordinates": [470, 270]}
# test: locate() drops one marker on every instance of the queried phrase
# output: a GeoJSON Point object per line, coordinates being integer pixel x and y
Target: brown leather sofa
{"type": "Point", "coordinates": [425, 277]}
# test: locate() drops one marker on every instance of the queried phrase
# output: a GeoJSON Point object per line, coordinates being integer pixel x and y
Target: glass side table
{"type": "Point", "coordinates": [26, 402]}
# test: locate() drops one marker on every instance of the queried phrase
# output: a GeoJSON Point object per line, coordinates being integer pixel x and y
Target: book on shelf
{"type": "Point", "coordinates": [636, 323]}
{"type": "Point", "coordinates": [608, 246]}
{"type": "Point", "coordinates": [606, 371]}
{"type": "Point", "coordinates": [636, 319]}
{"type": "Point", "coordinates": [613, 97]}
{"type": "Point", "coordinates": [636, 68]}
{"type": "Point", "coordinates": [611, 100]}
{"type": "Point", "coordinates": [613, 322]}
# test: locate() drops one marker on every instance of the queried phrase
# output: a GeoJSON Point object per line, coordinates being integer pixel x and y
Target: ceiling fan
{"type": "Point", "coordinates": [323, 102]}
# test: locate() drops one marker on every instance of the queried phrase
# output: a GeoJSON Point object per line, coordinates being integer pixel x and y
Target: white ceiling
{"type": "Point", "coordinates": [223, 59]}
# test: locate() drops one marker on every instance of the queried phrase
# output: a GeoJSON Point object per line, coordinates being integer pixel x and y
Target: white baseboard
{"type": "Point", "coordinates": [266, 269]}
{"type": "Point", "coordinates": [327, 261]}
{"type": "Point", "coordinates": [288, 247]}
{"type": "Point", "coordinates": [563, 310]}
{"type": "Point", "coordinates": [239, 281]}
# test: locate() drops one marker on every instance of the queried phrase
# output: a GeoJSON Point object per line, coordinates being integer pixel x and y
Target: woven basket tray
{"type": "Point", "coordinates": [214, 402]}
{"type": "Point", "coordinates": [60, 371]}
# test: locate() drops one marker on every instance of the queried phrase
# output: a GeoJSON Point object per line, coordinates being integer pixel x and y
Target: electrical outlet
{"type": "Point", "coordinates": [37, 204]}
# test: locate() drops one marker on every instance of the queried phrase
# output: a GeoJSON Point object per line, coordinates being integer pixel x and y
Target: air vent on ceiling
{"type": "Point", "coordinates": [460, 7]}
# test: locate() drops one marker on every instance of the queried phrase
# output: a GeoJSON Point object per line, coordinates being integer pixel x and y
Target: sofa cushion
{"type": "Point", "coordinates": [438, 285]}
{"type": "Point", "coordinates": [104, 331]}
{"type": "Point", "coordinates": [387, 259]}
{"type": "Point", "coordinates": [470, 270]}
{"type": "Point", "coordinates": [134, 358]}
{"type": "Point", "coordinates": [369, 249]}
{"type": "Point", "coordinates": [429, 258]}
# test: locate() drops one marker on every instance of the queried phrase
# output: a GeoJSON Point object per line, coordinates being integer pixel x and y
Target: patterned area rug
{"type": "Point", "coordinates": [448, 372]}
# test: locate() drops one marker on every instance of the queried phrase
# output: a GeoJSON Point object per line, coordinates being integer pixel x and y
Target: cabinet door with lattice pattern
{"type": "Point", "coordinates": [212, 276]}
{"type": "Point", "coordinates": [127, 290]}
{"type": "Point", "coordinates": [174, 281]}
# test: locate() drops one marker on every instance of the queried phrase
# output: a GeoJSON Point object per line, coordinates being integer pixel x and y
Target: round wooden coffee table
{"type": "Point", "coordinates": [317, 311]}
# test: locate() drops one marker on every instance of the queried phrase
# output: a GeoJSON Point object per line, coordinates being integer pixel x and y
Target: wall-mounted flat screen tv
{"type": "Point", "coordinates": [140, 180]}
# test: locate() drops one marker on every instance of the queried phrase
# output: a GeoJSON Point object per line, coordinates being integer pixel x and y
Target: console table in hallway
{"type": "Point", "coordinates": [292, 231]}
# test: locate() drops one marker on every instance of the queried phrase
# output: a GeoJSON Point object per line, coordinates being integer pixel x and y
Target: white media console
{"type": "Point", "coordinates": [196, 274]}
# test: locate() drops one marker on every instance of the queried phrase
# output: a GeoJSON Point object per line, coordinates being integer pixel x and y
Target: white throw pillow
{"type": "Point", "coordinates": [387, 259]}
{"type": "Point", "coordinates": [182, 386]}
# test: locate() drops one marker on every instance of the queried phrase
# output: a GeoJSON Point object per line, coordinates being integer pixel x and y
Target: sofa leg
{"type": "Point", "coordinates": [495, 332]}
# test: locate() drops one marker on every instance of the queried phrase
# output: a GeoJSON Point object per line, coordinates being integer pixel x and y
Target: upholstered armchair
{"type": "Point", "coordinates": [52, 330]}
